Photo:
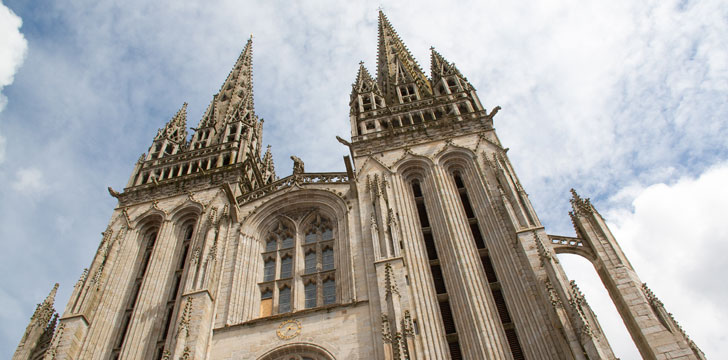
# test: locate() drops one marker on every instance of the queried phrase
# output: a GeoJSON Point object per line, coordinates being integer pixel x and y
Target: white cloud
{"type": "Point", "coordinates": [676, 238]}
{"type": "Point", "coordinates": [12, 52]}
{"type": "Point", "coordinates": [29, 180]}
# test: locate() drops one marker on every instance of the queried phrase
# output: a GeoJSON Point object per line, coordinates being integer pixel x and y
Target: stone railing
{"type": "Point", "coordinates": [300, 179]}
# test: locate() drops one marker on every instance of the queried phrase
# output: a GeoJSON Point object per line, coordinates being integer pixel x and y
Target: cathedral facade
{"type": "Point", "coordinates": [427, 247]}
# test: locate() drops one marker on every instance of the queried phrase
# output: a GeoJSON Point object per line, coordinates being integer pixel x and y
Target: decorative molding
{"type": "Point", "coordinates": [184, 323]}
{"type": "Point", "coordinates": [390, 283]}
{"type": "Point", "coordinates": [553, 296]}
{"type": "Point", "coordinates": [386, 333]}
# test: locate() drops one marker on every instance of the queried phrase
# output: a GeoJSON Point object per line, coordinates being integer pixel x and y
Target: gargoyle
{"type": "Point", "coordinates": [114, 193]}
{"type": "Point", "coordinates": [297, 164]}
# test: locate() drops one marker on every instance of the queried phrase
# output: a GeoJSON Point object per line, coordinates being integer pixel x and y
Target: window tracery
{"type": "Point", "coordinates": [298, 260]}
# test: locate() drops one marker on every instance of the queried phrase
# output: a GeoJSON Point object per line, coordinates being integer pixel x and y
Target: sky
{"type": "Point", "coordinates": [625, 101]}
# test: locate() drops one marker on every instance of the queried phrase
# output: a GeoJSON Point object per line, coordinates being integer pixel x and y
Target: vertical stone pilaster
{"type": "Point", "coordinates": [475, 316]}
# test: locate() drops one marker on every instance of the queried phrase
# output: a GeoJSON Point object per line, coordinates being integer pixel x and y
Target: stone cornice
{"type": "Point", "coordinates": [181, 185]}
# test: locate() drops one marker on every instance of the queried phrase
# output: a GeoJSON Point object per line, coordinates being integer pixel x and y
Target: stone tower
{"type": "Point", "coordinates": [427, 247]}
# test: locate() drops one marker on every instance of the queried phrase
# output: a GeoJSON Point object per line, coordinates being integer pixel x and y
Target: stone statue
{"type": "Point", "coordinates": [297, 165]}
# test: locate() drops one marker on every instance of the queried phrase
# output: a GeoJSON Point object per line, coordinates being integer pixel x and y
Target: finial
{"type": "Point", "coordinates": [580, 205]}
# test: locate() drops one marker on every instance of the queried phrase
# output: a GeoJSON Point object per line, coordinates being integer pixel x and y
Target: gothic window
{"type": "Point", "coordinates": [453, 84]}
{"type": "Point", "coordinates": [328, 259]}
{"type": "Point", "coordinates": [329, 286]}
{"type": "Point", "coordinates": [286, 267]}
{"type": "Point", "coordinates": [298, 266]}
{"type": "Point", "coordinates": [407, 93]}
{"type": "Point", "coordinates": [319, 260]}
{"type": "Point", "coordinates": [284, 299]}
{"type": "Point", "coordinates": [311, 295]}
{"type": "Point", "coordinates": [232, 133]}
{"type": "Point", "coordinates": [266, 303]}
{"type": "Point", "coordinates": [150, 238]}
{"type": "Point", "coordinates": [269, 270]}
{"type": "Point", "coordinates": [310, 262]}
{"type": "Point", "coordinates": [366, 101]}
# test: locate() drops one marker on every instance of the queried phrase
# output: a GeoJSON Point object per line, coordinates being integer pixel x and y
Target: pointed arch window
{"type": "Point", "coordinates": [319, 260]}
{"type": "Point", "coordinates": [298, 260]}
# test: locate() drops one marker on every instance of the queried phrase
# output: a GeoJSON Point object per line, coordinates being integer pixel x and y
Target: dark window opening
{"type": "Point", "coordinates": [488, 267]}
{"type": "Point", "coordinates": [438, 279]}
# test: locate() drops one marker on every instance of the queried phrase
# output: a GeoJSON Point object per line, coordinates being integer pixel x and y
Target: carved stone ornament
{"type": "Point", "coordinates": [289, 329]}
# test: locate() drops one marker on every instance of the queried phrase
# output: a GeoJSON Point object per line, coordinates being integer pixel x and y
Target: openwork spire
{"type": "Point", "coordinates": [364, 81]}
{"type": "Point", "coordinates": [176, 128]}
{"type": "Point", "coordinates": [395, 63]}
{"type": "Point", "coordinates": [235, 100]}
{"type": "Point", "coordinates": [44, 311]}
{"type": "Point", "coordinates": [440, 67]}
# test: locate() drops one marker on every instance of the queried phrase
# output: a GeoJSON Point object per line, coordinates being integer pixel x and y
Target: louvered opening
{"type": "Point", "coordinates": [500, 303]}
{"type": "Point", "coordinates": [447, 319]}
{"type": "Point", "coordinates": [488, 267]}
{"type": "Point", "coordinates": [514, 344]}
{"type": "Point", "coordinates": [438, 279]}
{"type": "Point", "coordinates": [429, 245]}
{"type": "Point", "coordinates": [455, 353]}
{"type": "Point", "coordinates": [466, 204]}
{"type": "Point", "coordinates": [479, 243]}
{"type": "Point", "coordinates": [422, 212]}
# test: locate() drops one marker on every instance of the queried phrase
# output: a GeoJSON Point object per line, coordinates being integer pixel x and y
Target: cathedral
{"type": "Point", "coordinates": [427, 247]}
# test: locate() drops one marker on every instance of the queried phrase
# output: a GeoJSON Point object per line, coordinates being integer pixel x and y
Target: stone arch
{"type": "Point", "coordinates": [150, 216]}
{"type": "Point", "coordinates": [328, 203]}
{"type": "Point", "coordinates": [586, 253]}
{"type": "Point", "coordinates": [298, 351]}
{"type": "Point", "coordinates": [186, 209]}
{"type": "Point", "coordinates": [418, 167]}
{"type": "Point", "coordinates": [411, 161]}
{"type": "Point", "coordinates": [457, 157]}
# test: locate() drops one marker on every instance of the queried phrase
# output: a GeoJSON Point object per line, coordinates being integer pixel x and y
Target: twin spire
{"type": "Point", "coordinates": [234, 101]}
{"type": "Point", "coordinates": [396, 65]}
{"type": "Point", "coordinates": [176, 128]}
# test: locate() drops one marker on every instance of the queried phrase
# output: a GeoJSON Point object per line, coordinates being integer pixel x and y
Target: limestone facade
{"type": "Point", "coordinates": [427, 247]}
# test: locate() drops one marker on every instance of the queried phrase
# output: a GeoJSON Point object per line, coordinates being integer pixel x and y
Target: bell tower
{"type": "Point", "coordinates": [450, 223]}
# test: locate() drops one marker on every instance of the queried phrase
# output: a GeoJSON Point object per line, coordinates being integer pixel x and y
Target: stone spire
{"type": "Point", "coordinates": [176, 128]}
{"type": "Point", "coordinates": [364, 82]}
{"type": "Point", "coordinates": [395, 63]}
{"type": "Point", "coordinates": [440, 68]}
{"type": "Point", "coordinates": [268, 171]}
{"type": "Point", "coordinates": [44, 311]}
{"type": "Point", "coordinates": [37, 333]}
{"type": "Point", "coordinates": [234, 101]}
